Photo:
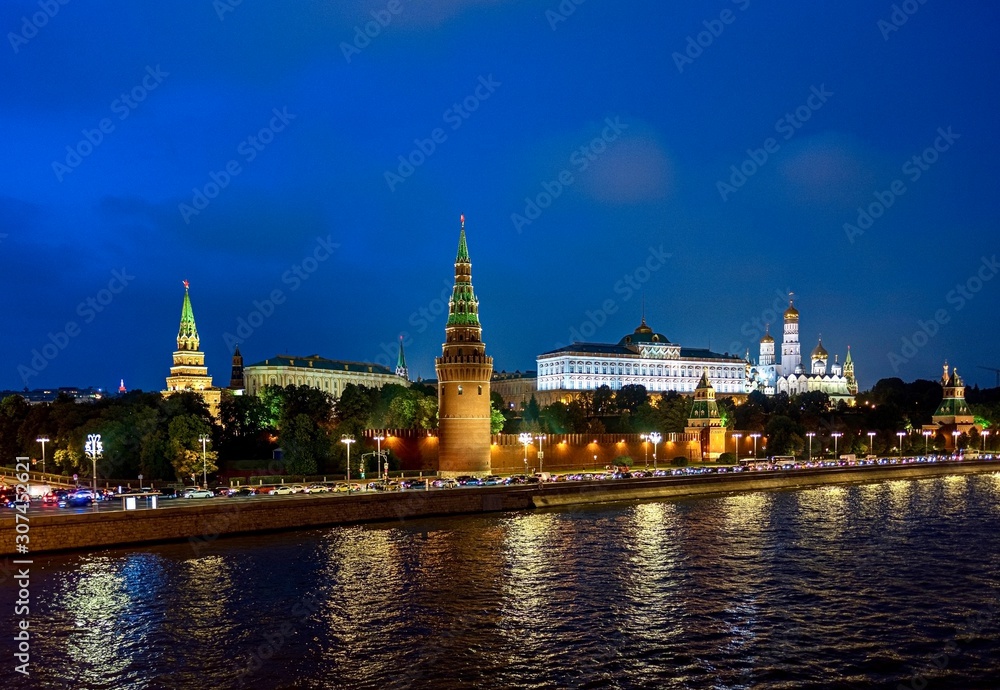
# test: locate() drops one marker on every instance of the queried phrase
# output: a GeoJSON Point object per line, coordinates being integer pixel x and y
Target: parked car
{"type": "Point", "coordinates": [78, 499]}
{"type": "Point", "coordinates": [243, 491]}
{"type": "Point", "coordinates": [284, 490]}
{"type": "Point", "coordinates": [198, 493]}
{"type": "Point", "coordinates": [223, 491]}
{"type": "Point", "coordinates": [317, 489]}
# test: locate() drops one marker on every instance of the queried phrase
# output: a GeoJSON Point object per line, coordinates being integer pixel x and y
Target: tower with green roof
{"type": "Point", "coordinates": [401, 369]}
{"type": "Point", "coordinates": [189, 372]}
{"type": "Point", "coordinates": [706, 421]}
{"type": "Point", "coordinates": [463, 370]}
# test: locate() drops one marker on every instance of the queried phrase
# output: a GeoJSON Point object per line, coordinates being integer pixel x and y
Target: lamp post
{"type": "Point", "coordinates": [900, 435]}
{"type": "Point", "coordinates": [94, 449]}
{"type": "Point", "coordinates": [810, 435]}
{"type": "Point", "coordinates": [927, 435]}
{"type": "Point", "coordinates": [378, 444]}
{"type": "Point", "coordinates": [348, 440]}
{"type": "Point", "coordinates": [982, 437]}
{"type": "Point", "coordinates": [956, 433]}
{"type": "Point", "coordinates": [525, 439]}
{"type": "Point", "coordinates": [737, 437]}
{"type": "Point", "coordinates": [655, 437]}
{"type": "Point", "coordinates": [871, 442]}
{"type": "Point", "coordinates": [836, 436]}
{"type": "Point", "coordinates": [43, 440]}
{"type": "Point", "coordinates": [204, 459]}
{"type": "Point", "coordinates": [645, 449]}
{"type": "Point", "coordinates": [755, 437]}
{"type": "Point", "coordinates": [541, 453]}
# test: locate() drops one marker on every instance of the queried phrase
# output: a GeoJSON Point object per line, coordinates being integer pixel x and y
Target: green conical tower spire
{"type": "Point", "coordinates": [401, 369]}
{"type": "Point", "coordinates": [187, 335]}
{"type": "Point", "coordinates": [463, 307]}
{"type": "Point", "coordinates": [704, 406]}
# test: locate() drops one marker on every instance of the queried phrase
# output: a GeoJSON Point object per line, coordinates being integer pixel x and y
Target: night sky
{"type": "Point", "coordinates": [628, 122]}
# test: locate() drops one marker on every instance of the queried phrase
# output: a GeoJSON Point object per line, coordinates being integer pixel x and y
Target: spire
{"type": "Point", "coordinates": [187, 335]}
{"type": "Point", "coordinates": [121, 387]}
{"type": "Point", "coordinates": [401, 362]}
{"type": "Point", "coordinates": [463, 307]}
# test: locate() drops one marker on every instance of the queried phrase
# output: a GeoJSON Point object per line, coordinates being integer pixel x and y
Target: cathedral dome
{"type": "Point", "coordinates": [643, 328]}
{"type": "Point", "coordinates": [767, 335]}
{"type": "Point", "coordinates": [819, 352]}
{"type": "Point", "coordinates": [791, 314]}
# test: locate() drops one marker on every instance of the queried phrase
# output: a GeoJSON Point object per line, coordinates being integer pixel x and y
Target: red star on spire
{"type": "Point", "coordinates": [186, 284]}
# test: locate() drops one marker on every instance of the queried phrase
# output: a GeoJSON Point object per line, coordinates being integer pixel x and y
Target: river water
{"type": "Point", "coordinates": [884, 585]}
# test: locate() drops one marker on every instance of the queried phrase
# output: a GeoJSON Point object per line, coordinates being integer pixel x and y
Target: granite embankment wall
{"type": "Point", "coordinates": [202, 522]}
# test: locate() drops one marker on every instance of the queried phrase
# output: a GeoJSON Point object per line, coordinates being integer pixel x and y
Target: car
{"type": "Point", "coordinates": [198, 493]}
{"type": "Point", "coordinates": [297, 488]}
{"type": "Point", "coordinates": [223, 491]}
{"type": "Point", "coordinates": [317, 489]}
{"type": "Point", "coordinates": [172, 492]}
{"type": "Point", "coordinates": [78, 499]}
{"type": "Point", "coordinates": [445, 483]}
{"type": "Point", "coordinates": [243, 491]}
{"type": "Point", "coordinates": [283, 490]}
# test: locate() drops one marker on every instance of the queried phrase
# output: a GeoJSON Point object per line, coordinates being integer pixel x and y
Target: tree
{"type": "Point", "coordinates": [630, 397]}
{"type": "Point", "coordinates": [301, 442]}
{"type": "Point", "coordinates": [784, 436]}
{"type": "Point", "coordinates": [604, 399]}
{"type": "Point", "coordinates": [185, 449]}
{"type": "Point", "coordinates": [497, 420]}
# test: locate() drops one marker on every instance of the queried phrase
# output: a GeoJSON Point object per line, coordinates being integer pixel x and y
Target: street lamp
{"type": "Point", "coordinates": [541, 453]}
{"type": "Point", "coordinates": [737, 437]}
{"type": "Point", "coordinates": [94, 449]}
{"type": "Point", "coordinates": [645, 449]}
{"type": "Point", "coordinates": [982, 436]}
{"type": "Point", "coordinates": [810, 435]}
{"type": "Point", "coordinates": [836, 436]}
{"type": "Point", "coordinates": [204, 459]}
{"type": "Point", "coordinates": [348, 440]}
{"type": "Point", "coordinates": [755, 437]}
{"type": "Point", "coordinates": [525, 439]}
{"type": "Point", "coordinates": [43, 440]}
{"type": "Point", "coordinates": [956, 433]}
{"type": "Point", "coordinates": [900, 434]}
{"type": "Point", "coordinates": [927, 435]}
{"type": "Point", "coordinates": [378, 443]}
{"type": "Point", "coordinates": [655, 437]}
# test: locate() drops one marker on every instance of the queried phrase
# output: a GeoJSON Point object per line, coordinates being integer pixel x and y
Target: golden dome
{"type": "Point", "coordinates": [791, 314]}
{"type": "Point", "coordinates": [643, 328]}
{"type": "Point", "coordinates": [767, 335]}
{"type": "Point", "coordinates": [819, 352]}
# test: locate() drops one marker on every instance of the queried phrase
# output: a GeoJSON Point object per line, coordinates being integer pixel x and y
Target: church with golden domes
{"type": "Point", "coordinates": [788, 375]}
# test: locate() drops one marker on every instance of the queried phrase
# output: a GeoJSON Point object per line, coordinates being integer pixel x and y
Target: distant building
{"type": "Point", "coordinates": [37, 396]}
{"type": "Point", "coordinates": [639, 358]}
{"type": "Point", "coordinates": [788, 375]}
{"type": "Point", "coordinates": [189, 372]}
{"type": "Point", "coordinates": [953, 414]}
{"type": "Point", "coordinates": [328, 375]}
{"type": "Point", "coordinates": [516, 388]}
{"type": "Point", "coordinates": [236, 382]}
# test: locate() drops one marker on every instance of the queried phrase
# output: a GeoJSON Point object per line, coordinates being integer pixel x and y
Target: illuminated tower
{"type": "Point", "coordinates": [819, 359]}
{"type": "Point", "coordinates": [463, 371]}
{"type": "Point", "coordinates": [401, 369]}
{"type": "Point", "coordinates": [705, 420]}
{"type": "Point", "coordinates": [189, 372]}
{"type": "Point", "coordinates": [791, 354]}
{"type": "Point", "coordinates": [852, 382]}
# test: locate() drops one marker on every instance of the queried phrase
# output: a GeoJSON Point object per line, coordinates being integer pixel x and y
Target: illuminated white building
{"type": "Point", "coordinates": [642, 358]}
{"type": "Point", "coordinates": [788, 375]}
{"type": "Point", "coordinates": [327, 375]}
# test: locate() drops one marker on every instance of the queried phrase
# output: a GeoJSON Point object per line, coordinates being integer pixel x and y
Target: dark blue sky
{"type": "Point", "coordinates": [511, 96]}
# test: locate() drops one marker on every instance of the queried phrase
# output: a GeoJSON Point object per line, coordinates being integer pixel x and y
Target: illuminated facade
{"type": "Point", "coordinates": [642, 358]}
{"type": "Point", "coordinates": [189, 372]}
{"type": "Point", "coordinates": [953, 414]}
{"type": "Point", "coordinates": [706, 422]}
{"type": "Point", "coordinates": [463, 372]}
{"type": "Point", "coordinates": [327, 375]}
{"type": "Point", "coordinates": [788, 375]}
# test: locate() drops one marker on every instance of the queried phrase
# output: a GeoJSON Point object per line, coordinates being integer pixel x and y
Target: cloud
{"type": "Point", "coordinates": [634, 169]}
{"type": "Point", "coordinates": [830, 168]}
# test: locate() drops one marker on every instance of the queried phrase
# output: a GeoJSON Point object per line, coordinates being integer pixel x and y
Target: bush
{"type": "Point", "coordinates": [622, 461]}
{"type": "Point", "coordinates": [727, 459]}
{"type": "Point", "coordinates": [679, 461]}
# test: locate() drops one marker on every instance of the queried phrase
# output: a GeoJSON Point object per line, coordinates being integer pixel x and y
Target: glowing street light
{"type": "Point", "coordinates": [655, 437]}
{"type": "Point", "coordinates": [836, 436]}
{"type": "Point", "coordinates": [871, 442]}
{"type": "Point", "coordinates": [645, 448]}
{"type": "Point", "coordinates": [378, 443]}
{"type": "Point", "coordinates": [755, 437]}
{"type": "Point", "coordinates": [94, 449]}
{"type": "Point", "coordinates": [900, 434]}
{"type": "Point", "coordinates": [982, 436]}
{"type": "Point", "coordinates": [45, 439]}
{"type": "Point", "coordinates": [204, 459]}
{"type": "Point", "coordinates": [737, 437]}
{"type": "Point", "coordinates": [525, 439]}
{"type": "Point", "coordinates": [956, 433]}
{"type": "Point", "coordinates": [927, 435]}
{"type": "Point", "coordinates": [541, 453]}
{"type": "Point", "coordinates": [348, 440]}
{"type": "Point", "coordinates": [810, 435]}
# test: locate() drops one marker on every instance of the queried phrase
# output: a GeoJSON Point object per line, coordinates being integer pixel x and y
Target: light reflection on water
{"type": "Point", "coordinates": [836, 586]}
